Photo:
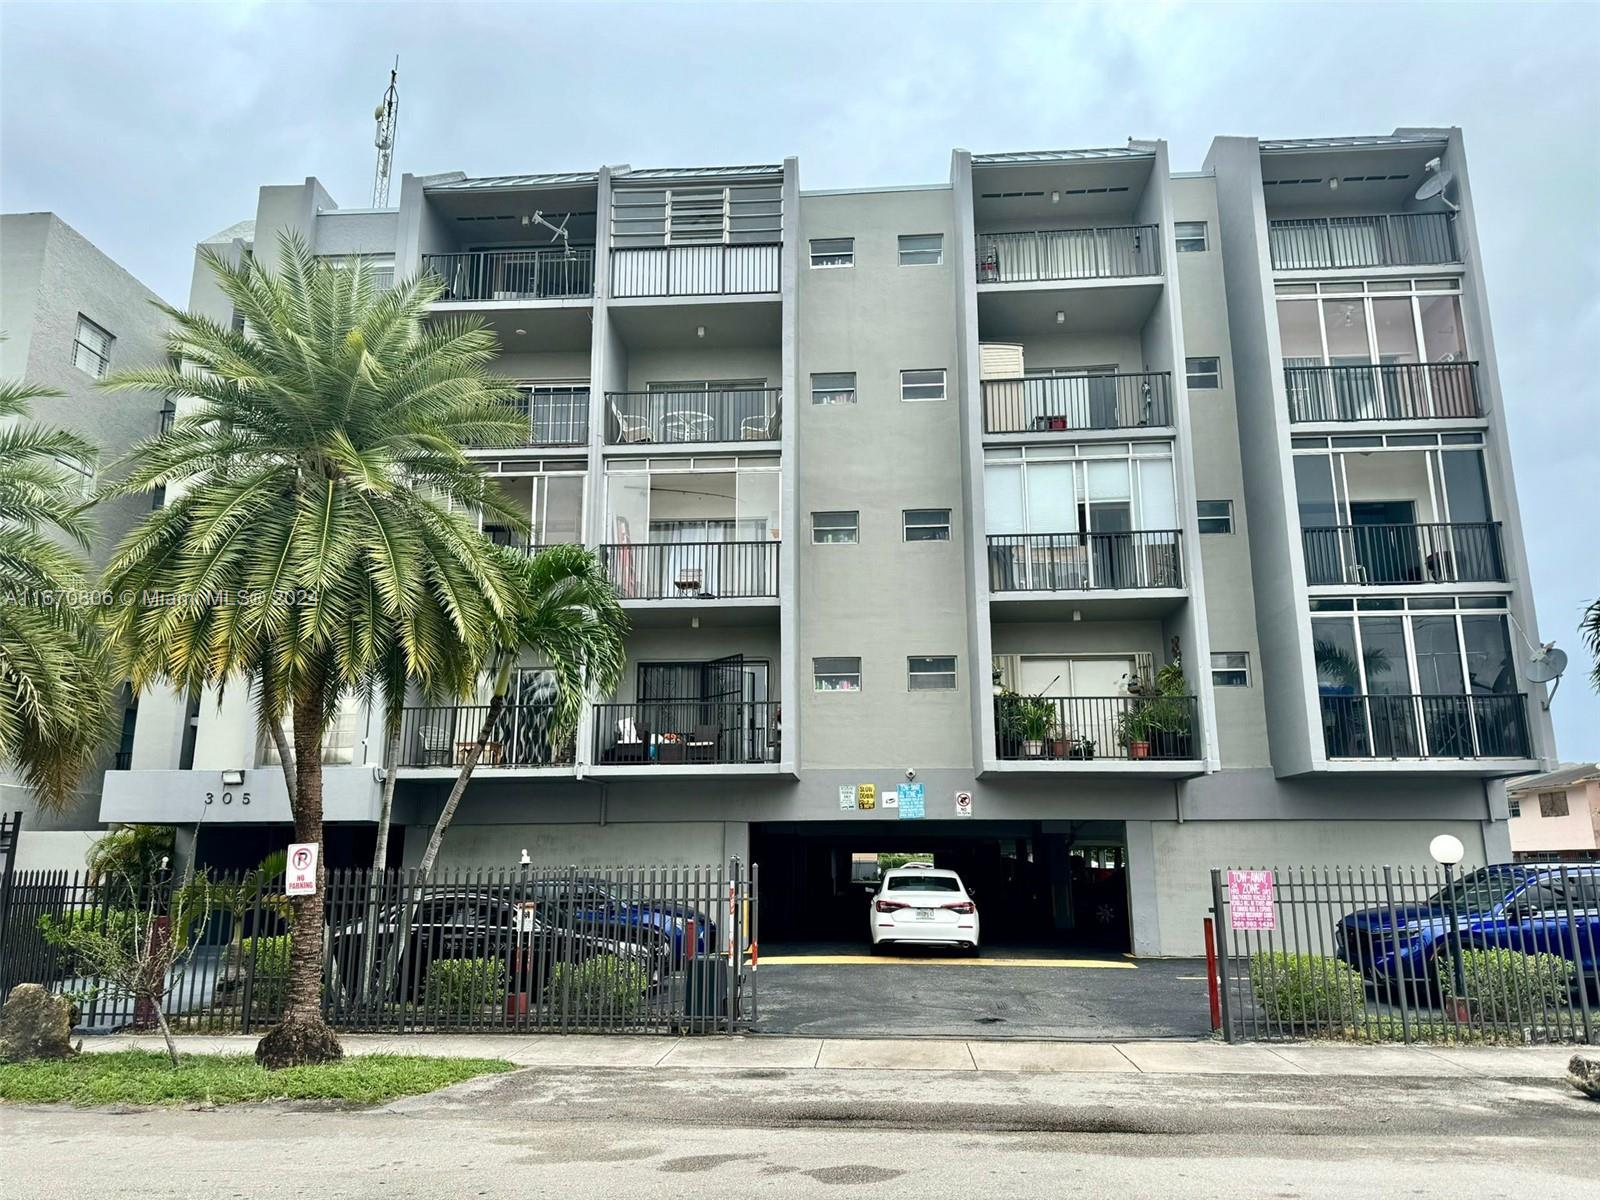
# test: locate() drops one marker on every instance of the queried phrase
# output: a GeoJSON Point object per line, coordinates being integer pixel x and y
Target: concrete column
{"type": "Point", "coordinates": [1144, 916]}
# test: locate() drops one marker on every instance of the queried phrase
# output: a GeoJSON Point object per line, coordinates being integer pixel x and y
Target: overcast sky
{"type": "Point", "coordinates": [149, 127]}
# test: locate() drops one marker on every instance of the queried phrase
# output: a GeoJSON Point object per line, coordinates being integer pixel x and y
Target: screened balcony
{"type": "Point", "coordinates": [1385, 240]}
{"type": "Point", "coordinates": [1379, 554]}
{"type": "Point", "coordinates": [1426, 727]}
{"type": "Point", "coordinates": [1073, 562]}
{"type": "Point", "coordinates": [1386, 391]}
{"type": "Point", "coordinates": [1100, 252]}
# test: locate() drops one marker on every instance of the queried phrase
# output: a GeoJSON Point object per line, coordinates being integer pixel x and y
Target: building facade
{"type": "Point", "coordinates": [1086, 523]}
{"type": "Point", "coordinates": [1556, 815]}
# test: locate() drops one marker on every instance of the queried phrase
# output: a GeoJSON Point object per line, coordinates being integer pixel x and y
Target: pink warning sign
{"type": "Point", "coordinates": [1250, 900]}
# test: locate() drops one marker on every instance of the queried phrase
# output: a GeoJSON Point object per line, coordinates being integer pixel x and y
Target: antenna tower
{"type": "Point", "coordinates": [387, 115]}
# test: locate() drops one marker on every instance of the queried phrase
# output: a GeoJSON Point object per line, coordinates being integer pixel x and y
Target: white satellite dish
{"type": "Point", "coordinates": [1547, 663]}
{"type": "Point", "coordinates": [1437, 184]}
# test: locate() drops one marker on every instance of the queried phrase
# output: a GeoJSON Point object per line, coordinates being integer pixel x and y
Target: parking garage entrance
{"type": "Point", "coordinates": [1036, 883]}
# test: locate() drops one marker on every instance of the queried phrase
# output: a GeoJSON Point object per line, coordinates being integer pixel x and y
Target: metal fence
{"type": "Point", "coordinates": [520, 736]}
{"type": "Point", "coordinates": [533, 274]}
{"type": "Point", "coordinates": [670, 416]}
{"type": "Point", "coordinates": [695, 270]}
{"type": "Point", "coordinates": [1090, 728]}
{"type": "Point", "coordinates": [1505, 953]}
{"type": "Point", "coordinates": [1108, 252]}
{"type": "Point", "coordinates": [1432, 552]}
{"type": "Point", "coordinates": [1061, 403]}
{"type": "Point", "coordinates": [1061, 562]}
{"type": "Point", "coordinates": [1384, 240]}
{"type": "Point", "coordinates": [1429, 726]}
{"type": "Point", "coordinates": [692, 570]}
{"type": "Point", "coordinates": [530, 949]}
{"type": "Point", "coordinates": [1383, 392]}
{"type": "Point", "coordinates": [679, 732]}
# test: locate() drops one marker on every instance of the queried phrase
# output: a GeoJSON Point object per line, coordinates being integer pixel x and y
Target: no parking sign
{"type": "Point", "coordinates": [300, 871]}
{"type": "Point", "coordinates": [963, 804]}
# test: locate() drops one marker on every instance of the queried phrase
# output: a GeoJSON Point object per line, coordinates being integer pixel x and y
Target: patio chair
{"type": "Point", "coordinates": [757, 428]}
{"type": "Point", "coordinates": [703, 743]}
{"type": "Point", "coordinates": [633, 742]}
{"type": "Point", "coordinates": [434, 745]}
{"type": "Point", "coordinates": [689, 581]}
{"type": "Point", "coordinates": [631, 427]}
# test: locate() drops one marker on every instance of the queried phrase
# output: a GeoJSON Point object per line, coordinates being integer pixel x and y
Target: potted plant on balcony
{"type": "Point", "coordinates": [1171, 732]}
{"type": "Point", "coordinates": [1035, 719]}
{"type": "Point", "coordinates": [1080, 748]}
{"type": "Point", "coordinates": [1133, 727]}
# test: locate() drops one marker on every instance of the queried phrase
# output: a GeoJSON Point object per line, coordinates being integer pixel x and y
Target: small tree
{"type": "Point", "coordinates": [1590, 629]}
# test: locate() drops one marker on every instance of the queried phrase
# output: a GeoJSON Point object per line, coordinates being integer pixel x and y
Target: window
{"type": "Point", "coordinates": [836, 387]}
{"type": "Point", "coordinates": [1216, 516]}
{"type": "Point", "coordinates": [1514, 806]}
{"type": "Point", "coordinates": [922, 385]}
{"type": "Point", "coordinates": [833, 252]}
{"type": "Point", "coordinates": [1230, 669]}
{"type": "Point", "coordinates": [921, 249]}
{"type": "Point", "coordinates": [1191, 236]}
{"type": "Point", "coordinates": [836, 674]}
{"type": "Point", "coordinates": [1203, 372]}
{"type": "Point", "coordinates": [1552, 804]}
{"type": "Point", "coordinates": [926, 524]}
{"type": "Point", "coordinates": [931, 674]}
{"type": "Point", "coordinates": [835, 528]}
{"type": "Point", "coordinates": [91, 348]}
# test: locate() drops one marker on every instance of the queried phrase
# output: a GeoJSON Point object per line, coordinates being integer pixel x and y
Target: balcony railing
{"type": "Point", "coordinates": [1072, 562]}
{"type": "Point", "coordinates": [1391, 240]}
{"type": "Point", "coordinates": [169, 414]}
{"type": "Point", "coordinates": [1395, 727]}
{"type": "Point", "coordinates": [1383, 392]}
{"type": "Point", "coordinates": [1091, 728]}
{"type": "Point", "coordinates": [555, 417]}
{"type": "Point", "coordinates": [693, 570]}
{"type": "Point", "coordinates": [1111, 252]}
{"type": "Point", "coordinates": [543, 274]}
{"type": "Point", "coordinates": [663, 733]}
{"type": "Point", "coordinates": [1063, 403]}
{"type": "Point", "coordinates": [443, 736]}
{"type": "Point", "coordinates": [122, 760]}
{"type": "Point", "coordinates": [695, 270]}
{"type": "Point", "coordinates": [1394, 554]}
{"type": "Point", "coordinates": [669, 417]}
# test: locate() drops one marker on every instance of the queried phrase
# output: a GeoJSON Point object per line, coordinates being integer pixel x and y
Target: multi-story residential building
{"type": "Point", "coordinates": [1083, 522]}
{"type": "Point", "coordinates": [70, 315]}
{"type": "Point", "coordinates": [1556, 815]}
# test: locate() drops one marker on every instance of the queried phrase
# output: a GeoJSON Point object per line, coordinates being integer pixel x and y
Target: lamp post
{"type": "Point", "coordinates": [1447, 851]}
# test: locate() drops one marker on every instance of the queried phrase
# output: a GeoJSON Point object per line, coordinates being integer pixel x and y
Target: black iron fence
{"type": "Point", "coordinates": [684, 732]}
{"type": "Point", "coordinates": [534, 274]}
{"type": "Point", "coordinates": [1062, 403]}
{"type": "Point", "coordinates": [671, 417]}
{"type": "Point", "coordinates": [1107, 252]}
{"type": "Point", "coordinates": [1383, 392]}
{"type": "Point", "coordinates": [1505, 953]}
{"type": "Point", "coordinates": [1091, 728]}
{"type": "Point", "coordinates": [527, 949]}
{"type": "Point", "coordinates": [1432, 726]}
{"type": "Point", "coordinates": [695, 270]}
{"type": "Point", "coordinates": [693, 570]}
{"type": "Point", "coordinates": [1463, 552]}
{"type": "Point", "coordinates": [519, 736]}
{"type": "Point", "coordinates": [1060, 562]}
{"type": "Point", "coordinates": [1384, 240]}
{"type": "Point", "coordinates": [555, 416]}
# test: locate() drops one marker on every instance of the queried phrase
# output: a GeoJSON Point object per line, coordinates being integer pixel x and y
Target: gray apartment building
{"type": "Point", "coordinates": [1086, 523]}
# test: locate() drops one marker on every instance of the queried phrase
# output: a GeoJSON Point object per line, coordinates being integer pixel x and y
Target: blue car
{"type": "Point", "coordinates": [1533, 908]}
{"type": "Point", "coordinates": [591, 906]}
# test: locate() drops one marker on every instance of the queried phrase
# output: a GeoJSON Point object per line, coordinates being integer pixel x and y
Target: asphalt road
{"type": "Point", "coordinates": [577, 1134]}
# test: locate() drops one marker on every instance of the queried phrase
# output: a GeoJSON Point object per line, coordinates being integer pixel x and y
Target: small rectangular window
{"type": "Point", "coordinates": [836, 674]}
{"type": "Point", "coordinates": [1203, 372]}
{"type": "Point", "coordinates": [1553, 804]}
{"type": "Point", "coordinates": [1514, 807]}
{"type": "Point", "coordinates": [833, 252]}
{"type": "Point", "coordinates": [931, 674]}
{"type": "Point", "coordinates": [926, 524]}
{"type": "Point", "coordinates": [1216, 516]}
{"type": "Point", "coordinates": [1230, 669]}
{"type": "Point", "coordinates": [834, 387]}
{"type": "Point", "coordinates": [921, 249]}
{"type": "Point", "coordinates": [922, 385]}
{"type": "Point", "coordinates": [835, 528]}
{"type": "Point", "coordinates": [91, 348]}
{"type": "Point", "coordinates": [1191, 236]}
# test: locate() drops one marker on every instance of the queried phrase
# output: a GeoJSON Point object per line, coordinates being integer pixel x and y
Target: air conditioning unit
{"type": "Point", "coordinates": [999, 360]}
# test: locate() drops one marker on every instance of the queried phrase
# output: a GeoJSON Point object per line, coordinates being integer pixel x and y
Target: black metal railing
{"type": "Point", "coordinates": [1065, 562]}
{"type": "Point", "coordinates": [692, 570]}
{"type": "Point", "coordinates": [556, 417]}
{"type": "Point", "coordinates": [1109, 252]}
{"type": "Point", "coordinates": [504, 537]}
{"type": "Point", "coordinates": [444, 735]}
{"type": "Point", "coordinates": [122, 760]}
{"type": "Point", "coordinates": [1385, 240]}
{"type": "Point", "coordinates": [695, 270]}
{"type": "Point", "coordinates": [543, 274]}
{"type": "Point", "coordinates": [1062, 403]}
{"type": "Point", "coordinates": [1468, 552]}
{"type": "Point", "coordinates": [1091, 728]}
{"type": "Point", "coordinates": [676, 417]}
{"type": "Point", "coordinates": [663, 733]}
{"type": "Point", "coordinates": [1383, 392]}
{"type": "Point", "coordinates": [169, 414]}
{"type": "Point", "coordinates": [1445, 726]}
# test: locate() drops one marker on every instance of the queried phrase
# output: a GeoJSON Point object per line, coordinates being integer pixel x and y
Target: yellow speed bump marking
{"type": "Point", "coordinates": [829, 960]}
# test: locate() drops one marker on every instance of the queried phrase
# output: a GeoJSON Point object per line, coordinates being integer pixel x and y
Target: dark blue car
{"type": "Point", "coordinates": [1533, 908]}
{"type": "Point", "coordinates": [592, 906]}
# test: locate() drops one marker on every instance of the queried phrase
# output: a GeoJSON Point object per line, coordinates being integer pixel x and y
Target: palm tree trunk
{"type": "Point", "coordinates": [497, 704]}
{"type": "Point", "coordinates": [391, 772]}
{"type": "Point", "coordinates": [285, 756]}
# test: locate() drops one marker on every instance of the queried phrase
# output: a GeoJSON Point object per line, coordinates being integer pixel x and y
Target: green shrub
{"type": "Point", "coordinates": [1509, 986]}
{"type": "Point", "coordinates": [603, 984]}
{"type": "Point", "coordinates": [268, 958]}
{"type": "Point", "coordinates": [1307, 990]}
{"type": "Point", "coordinates": [464, 985]}
{"type": "Point", "coordinates": [117, 924]}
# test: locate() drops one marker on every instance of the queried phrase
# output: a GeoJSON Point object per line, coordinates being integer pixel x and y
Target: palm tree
{"type": "Point", "coordinates": [57, 678]}
{"type": "Point", "coordinates": [317, 491]}
{"type": "Point", "coordinates": [1590, 629]}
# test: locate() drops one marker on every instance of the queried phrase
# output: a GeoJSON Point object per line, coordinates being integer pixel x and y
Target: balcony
{"type": "Point", "coordinates": [1426, 727]}
{"type": "Point", "coordinates": [693, 570]}
{"type": "Point", "coordinates": [667, 733]}
{"type": "Point", "coordinates": [1384, 392]}
{"type": "Point", "coordinates": [1073, 403]}
{"type": "Point", "coordinates": [556, 417]}
{"type": "Point", "coordinates": [1390, 240]}
{"type": "Point", "coordinates": [1033, 256]}
{"type": "Point", "coordinates": [443, 736]}
{"type": "Point", "coordinates": [1096, 728]}
{"type": "Point", "coordinates": [511, 275]}
{"type": "Point", "coordinates": [1365, 555]}
{"type": "Point", "coordinates": [1078, 562]}
{"type": "Point", "coordinates": [695, 270]}
{"type": "Point", "coordinates": [693, 416]}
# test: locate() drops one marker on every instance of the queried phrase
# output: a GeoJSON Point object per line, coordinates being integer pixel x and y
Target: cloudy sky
{"type": "Point", "coordinates": [150, 127]}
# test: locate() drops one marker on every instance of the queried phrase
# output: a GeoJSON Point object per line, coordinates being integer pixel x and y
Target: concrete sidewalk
{"type": "Point", "coordinates": [665, 1054]}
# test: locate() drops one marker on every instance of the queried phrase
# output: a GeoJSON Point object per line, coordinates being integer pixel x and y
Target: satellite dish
{"type": "Point", "coordinates": [1437, 184]}
{"type": "Point", "coordinates": [1547, 663]}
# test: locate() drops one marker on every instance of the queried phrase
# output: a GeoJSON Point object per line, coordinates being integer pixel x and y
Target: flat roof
{"type": "Point", "coordinates": [1028, 156]}
{"type": "Point", "coordinates": [1293, 145]}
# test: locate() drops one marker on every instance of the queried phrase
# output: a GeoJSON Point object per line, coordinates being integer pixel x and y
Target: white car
{"type": "Point", "coordinates": [921, 905]}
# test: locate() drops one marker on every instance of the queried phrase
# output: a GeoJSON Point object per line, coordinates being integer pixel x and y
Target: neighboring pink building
{"type": "Point", "coordinates": [1556, 815]}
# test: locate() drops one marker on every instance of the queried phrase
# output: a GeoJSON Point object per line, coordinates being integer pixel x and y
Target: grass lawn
{"type": "Point", "coordinates": [148, 1077]}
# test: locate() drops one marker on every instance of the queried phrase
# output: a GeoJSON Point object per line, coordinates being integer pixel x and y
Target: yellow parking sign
{"type": "Point", "coordinates": [866, 795]}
